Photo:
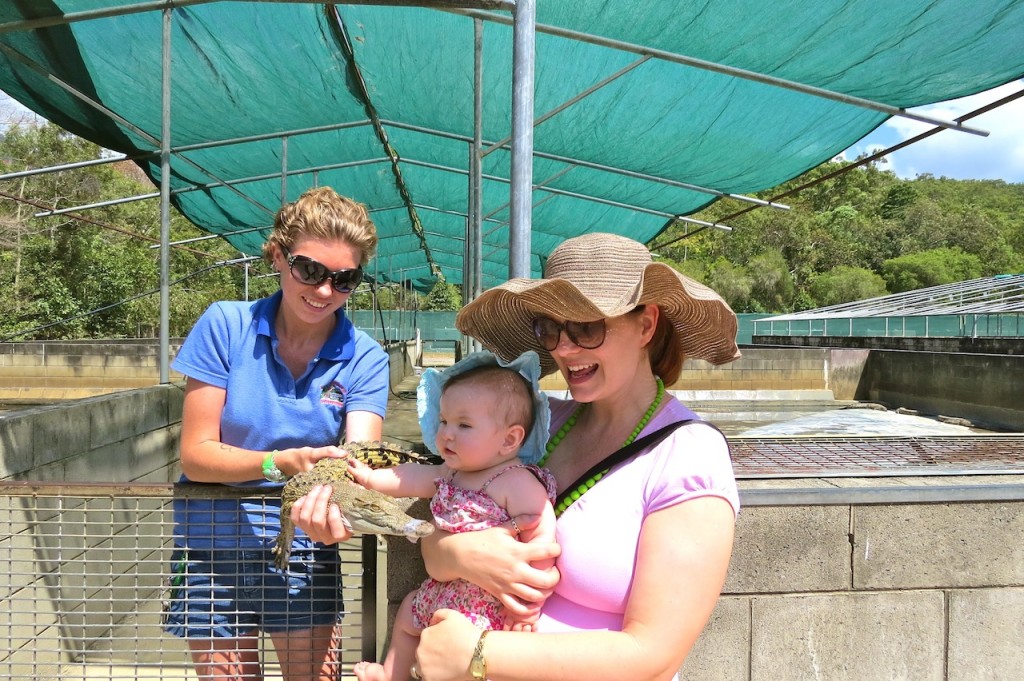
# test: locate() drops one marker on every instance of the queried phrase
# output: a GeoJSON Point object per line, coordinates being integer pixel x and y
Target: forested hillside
{"type": "Point", "coordinates": [94, 273]}
{"type": "Point", "coordinates": [857, 235]}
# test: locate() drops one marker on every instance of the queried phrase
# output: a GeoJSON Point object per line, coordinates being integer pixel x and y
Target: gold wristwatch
{"type": "Point", "coordinates": [478, 665]}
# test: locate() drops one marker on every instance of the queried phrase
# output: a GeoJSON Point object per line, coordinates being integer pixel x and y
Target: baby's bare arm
{"type": "Point", "coordinates": [404, 480]}
{"type": "Point", "coordinates": [533, 518]}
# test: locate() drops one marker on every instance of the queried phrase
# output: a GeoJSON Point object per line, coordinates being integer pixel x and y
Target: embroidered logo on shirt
{"type": "Point", "coordinates": [333, 394]}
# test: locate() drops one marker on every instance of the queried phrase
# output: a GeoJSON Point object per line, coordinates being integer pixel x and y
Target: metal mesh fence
{"type": "Point", "coordinates": [86, 570]}
{"type": "Point", "coordinates": [874, 456]}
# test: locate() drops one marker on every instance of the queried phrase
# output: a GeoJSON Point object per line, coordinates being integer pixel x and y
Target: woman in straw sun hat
{"type": "Point", "coordinates": [644, 546]}
{"type": "Point", "coordinates": [644, 539]}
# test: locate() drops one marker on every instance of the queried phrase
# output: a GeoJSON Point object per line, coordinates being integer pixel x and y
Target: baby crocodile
{"type": "Point", "coordinates": [362, 509]}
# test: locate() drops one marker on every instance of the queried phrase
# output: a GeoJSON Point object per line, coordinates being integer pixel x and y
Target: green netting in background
{"type": "Point", "coordinates": [245, 73]}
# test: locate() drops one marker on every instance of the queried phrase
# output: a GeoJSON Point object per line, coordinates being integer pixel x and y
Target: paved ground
{"type": "Point", "coordinates": [401, 424]}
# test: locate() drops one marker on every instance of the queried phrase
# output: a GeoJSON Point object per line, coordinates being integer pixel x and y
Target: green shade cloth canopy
{"type": "Point", "coordinates": [377, 101]}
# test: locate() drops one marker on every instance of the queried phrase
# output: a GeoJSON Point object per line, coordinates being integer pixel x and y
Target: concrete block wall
{"type": "Point", "coordinates": [46, 371]}
{"type": "Point", "coordinates": [916, 592]}
{"type": "Point", "coordinates": [121, 437]}
{"type": "Point", "coordinates": [757, 369]}
{"type": "Point", "coordinates": [930, 592]}
{"type": "Point", "coordinates": [959, 344]}
{"type": "Point", "coordinates": [982, 388]}
{"type": "Point", "coordinates": [39, 372]}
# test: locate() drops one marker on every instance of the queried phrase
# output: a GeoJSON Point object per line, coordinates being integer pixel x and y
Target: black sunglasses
{"type": "Point", "coordinates": [587, 335]}
{"type": "Point", "coordinates": [307, 271]}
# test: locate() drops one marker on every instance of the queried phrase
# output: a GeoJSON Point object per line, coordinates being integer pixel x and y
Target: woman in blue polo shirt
{"type": "Point", "coordinates": [273, 386]}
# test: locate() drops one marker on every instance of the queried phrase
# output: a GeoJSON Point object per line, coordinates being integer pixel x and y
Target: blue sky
{"type": "Point", "coordinates": [958, 155]}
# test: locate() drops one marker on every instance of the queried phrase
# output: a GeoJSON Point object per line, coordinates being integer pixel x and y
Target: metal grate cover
{"type": "Point", "coordinates": [789, 457]}
{"type": "Point", "coordinates": [84, 568]}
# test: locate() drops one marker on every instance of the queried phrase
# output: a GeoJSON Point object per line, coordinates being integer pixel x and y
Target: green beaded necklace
{"type": "Point", "coordinates": [582, 488]}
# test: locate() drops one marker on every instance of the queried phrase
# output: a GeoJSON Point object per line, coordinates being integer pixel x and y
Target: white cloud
{"type": "Point", "coordinates": [954, 154]}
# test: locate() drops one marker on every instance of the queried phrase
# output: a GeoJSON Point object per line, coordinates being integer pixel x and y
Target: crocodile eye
{"type": "Point", "coordinates": [369, 506]}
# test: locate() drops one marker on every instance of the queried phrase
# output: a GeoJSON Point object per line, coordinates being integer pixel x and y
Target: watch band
{"type": "Point", "coordinates": [270, 470]}
{"type": "Point", "coordinates": [478, 665]}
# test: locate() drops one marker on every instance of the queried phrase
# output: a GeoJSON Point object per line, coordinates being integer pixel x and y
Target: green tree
{"type": "Point", "coordinates": [95, 276]}
{"type": "Point", "coordinates": [897, 200]}
{"type": "Point", "coordinates": [845, 284]}
{"type": "Point", "coordinates": [733, 283]}
{"type": "Point", "coordinates": [772, 287]}
{"type": "Point", "coordinates": [444, 297]}
{"type": "Point", "coordinates": [930, 268]}
{"type": "Point", "coordinates": [839, 228]}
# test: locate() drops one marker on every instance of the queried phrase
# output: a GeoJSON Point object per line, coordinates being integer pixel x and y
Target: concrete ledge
{"type": "Point", "coordinates": [807, 395]}
{"type": "Point", "coordinates": [746, 396]}
{"type": "Point", "coordinates": [891, 494]}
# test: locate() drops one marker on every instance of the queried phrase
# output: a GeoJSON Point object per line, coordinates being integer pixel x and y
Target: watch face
{"type": "Point", "coordinates": [478, 665]}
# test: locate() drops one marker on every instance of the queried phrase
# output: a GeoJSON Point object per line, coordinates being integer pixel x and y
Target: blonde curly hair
{"type": "Point", "coordinates": [322, 213]}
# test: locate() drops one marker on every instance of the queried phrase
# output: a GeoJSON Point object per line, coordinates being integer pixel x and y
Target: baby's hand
{"type": "Point", "coordinates": [359, 471]}
{"type": "Point", "coordinates": [513, 623]}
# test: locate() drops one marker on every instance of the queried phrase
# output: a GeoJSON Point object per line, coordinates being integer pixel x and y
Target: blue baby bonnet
{"type": "Point", "coordinates": [428, 399]}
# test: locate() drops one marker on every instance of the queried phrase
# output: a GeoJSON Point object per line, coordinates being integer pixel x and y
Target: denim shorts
{"type": "Point", "coordinates": [229, 593]}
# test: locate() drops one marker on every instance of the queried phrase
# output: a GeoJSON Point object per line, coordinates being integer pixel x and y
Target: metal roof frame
{"type": "Point", "coordinates": [990, 298]}
{"type": "Point", "coordinates": [523, 20]}
{"type": "Point", "coordinates": [521, 15]}
{"type": "Point", "coordinates": [1000, 294]}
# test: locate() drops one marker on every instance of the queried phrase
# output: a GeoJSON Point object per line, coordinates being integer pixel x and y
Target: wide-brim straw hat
{"type": "Point", "coordinates": [594, 276]}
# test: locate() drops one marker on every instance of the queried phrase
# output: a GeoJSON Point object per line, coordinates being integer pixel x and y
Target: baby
{"type": "Point", "coordinates": [486, 411]}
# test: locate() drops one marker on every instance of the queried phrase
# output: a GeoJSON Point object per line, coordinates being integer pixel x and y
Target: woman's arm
{"type": "Point", "coordinates": [524, 496]}
{"type": "Point", "coordinates": [204, 458]}
{"type": "Point", "coordinates": [682, 561]}
{"type": "Point", "coordinates": [496, 562]}
{"type": "Point", "coordinates": [363, 426]}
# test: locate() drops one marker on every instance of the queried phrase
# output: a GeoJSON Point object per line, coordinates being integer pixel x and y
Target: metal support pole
{"type": "Point", "coordinates": [474, 244]}
{"type": "Point", "coordinates": [476, 209]}
{"type": "Point", "coordinates": [165, 198]}
{"type": "Point", "coordinates": [521, 193]}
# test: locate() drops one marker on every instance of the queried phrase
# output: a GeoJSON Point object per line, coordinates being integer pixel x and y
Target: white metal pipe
{"type": "Point", "coordinates": [521, 191]}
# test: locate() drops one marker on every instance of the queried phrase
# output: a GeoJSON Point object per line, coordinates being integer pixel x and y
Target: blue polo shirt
{"type": "Point", "coordinates": [234, 346]}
